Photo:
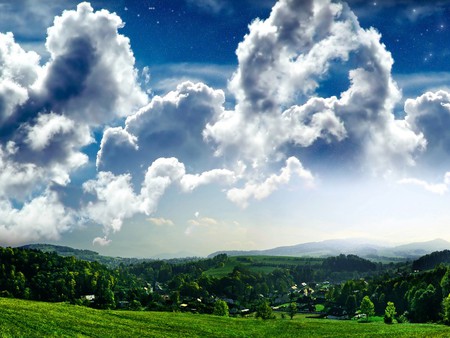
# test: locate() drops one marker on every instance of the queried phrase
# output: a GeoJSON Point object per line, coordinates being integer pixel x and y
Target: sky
{"type": "Point", "coordinates": [178, 128]}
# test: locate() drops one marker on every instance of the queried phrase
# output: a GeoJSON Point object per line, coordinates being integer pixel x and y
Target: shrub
{"type": "Point", "coordinates": [264, 311]}
{"type": "Point", "coordinates": [221, 308]}
{"type": "Point", "coordinates": [389, 313]}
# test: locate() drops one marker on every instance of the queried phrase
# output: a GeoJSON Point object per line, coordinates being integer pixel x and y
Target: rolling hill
{"type": "Point", "coordinates": [87, 255]}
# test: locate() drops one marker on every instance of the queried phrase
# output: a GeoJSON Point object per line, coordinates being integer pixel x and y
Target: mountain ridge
{"type": "Point", "coordinates": [358, 246]}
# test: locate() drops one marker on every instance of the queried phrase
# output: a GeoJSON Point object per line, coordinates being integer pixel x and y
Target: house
{"type": "Point", "coordinates": [89, 298]}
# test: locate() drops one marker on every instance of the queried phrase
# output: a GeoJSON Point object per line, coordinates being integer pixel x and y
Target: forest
{"type": "Point", "coordinates": [342, 287]}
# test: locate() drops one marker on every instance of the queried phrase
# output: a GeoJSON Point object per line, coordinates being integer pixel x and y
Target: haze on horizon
{"type": "Point", "coordinates": [142, 128]}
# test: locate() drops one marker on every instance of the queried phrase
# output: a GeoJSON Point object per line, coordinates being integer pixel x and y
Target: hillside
{"type": "Point", "coordinates": [45, 320]}
{"type": "Point", "coordinates": [361, 247]}
{"type": "Point", "coordinates": [86, 255]}
{"type": "Point", "coordinates": [431, 260]}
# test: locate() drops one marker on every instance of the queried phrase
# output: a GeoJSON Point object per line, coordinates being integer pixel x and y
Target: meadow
{"type": "Point", "coordinates": [20, 318]}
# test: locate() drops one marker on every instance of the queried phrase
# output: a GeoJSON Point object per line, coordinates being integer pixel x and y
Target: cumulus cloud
{"type": "Point", "coordinates": [91, 71]}
{"type": "Point", "coordinates": [168, 76]}
{"type": "Point", "coordinates": [44, 217]}
{"type": "Point", "coordinates": [19, 70]}
{"type": "Point", "coordinates": [16, 178]}
{"type": "Point", "coordinates": [116, 200]}
{"type": "Point", "coordinates": [282, 63]}
{"type": "Point", "coordinates": [48, 113]}
{"type": "Point", "coordinates": [171, 125]}
{"type": "Point", "coordinates": [89, 80]}
{"type": "Point", "coordinates": [160, 175]}
{"type": "Point", "coordinates": [430, 115]}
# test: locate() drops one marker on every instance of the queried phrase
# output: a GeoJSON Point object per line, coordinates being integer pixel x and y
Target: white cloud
{"type": "Point", "coordinates": [115, 143]}
{"type": "Point", "coordinates": [430, 115]}
{"type": "Point", "coordinates": [47, 114]}
{"type": "Point", "coordinates": [260, 190]}
{"type": "Point", "coordinates": [19, 70]}
{"type": "Point", "coordinates": [102, 241]}
{"type": "Point", "coordinates": [91, 72]}
{"type": "Point", "coordinates": [161, 221]}
{"type": "Point", "coordinates": [168, 126]}
{"type": "Point", "coordinates": [16, 178]}
{"type": "Point", "coordinates": [54, 142]}
{"type": "Point", "coordinates": [46, 128]}
{"type": "Point", "coordinates": [160, 175]}
{"type": "Point", "coordinates": [44, 217]}
{"type": "Point", "coordinates": [282, 62]}
{"type": "Point", "coordinates": [190, 182]}
{"type": "Point", "coordinates": [436, 188]}
{"type": "Point", "coordinates": [116, 200]}
{"type": "Point", "coordinates": [168, 76]}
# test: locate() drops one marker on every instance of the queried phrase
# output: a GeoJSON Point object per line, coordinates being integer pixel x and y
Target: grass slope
{"type": "Point", "coordinates": [20, 318]}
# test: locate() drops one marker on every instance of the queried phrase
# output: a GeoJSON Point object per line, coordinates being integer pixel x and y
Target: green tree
{"type": "Point", "coordinates": [104, 296]}
{"type": "Point", "coordinates": [445, 283]}
{"type": "Point", "coordinates": [264, 311]}
{"type": "Point", "coordinates": [221, 308]}
{"type": "Point", "coordinates": [425, 305]}
{"type": "Point", "coordinates": [135, 305]}
{"type": "Point", "coordinates": [367, 307]}
{"type": "Point", "coordinates": [389, 313]}
{"type": "Point", "coordinates": [446, 309]}
{"type": "Point", "coordinates": [350, 305]}
{"type": "Point", "coordinates": [292, 309]}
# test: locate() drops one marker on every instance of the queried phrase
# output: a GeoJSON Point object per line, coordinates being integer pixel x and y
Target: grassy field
{"type": "Point", "coordinates": [264, 264]}
{"type": "Point", "coordinates": [20, 318]}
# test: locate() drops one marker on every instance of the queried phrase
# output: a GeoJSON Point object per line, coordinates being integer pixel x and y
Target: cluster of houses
{"type": "Point", "coordinates": [306, 296]}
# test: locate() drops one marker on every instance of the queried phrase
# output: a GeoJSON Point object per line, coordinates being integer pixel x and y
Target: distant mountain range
{"type": "Point", "coordinates": [360, 247]}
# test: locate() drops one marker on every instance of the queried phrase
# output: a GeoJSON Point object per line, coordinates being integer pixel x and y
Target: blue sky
{"type": "Point", "coordinates": [146, 128]}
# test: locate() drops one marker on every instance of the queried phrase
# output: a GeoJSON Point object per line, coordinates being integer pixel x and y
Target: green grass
{"type": "Point", "coordinates": [20, 318]}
